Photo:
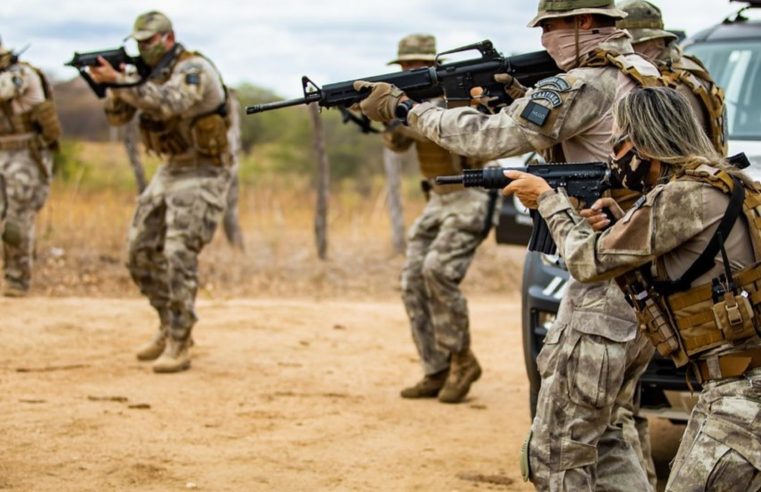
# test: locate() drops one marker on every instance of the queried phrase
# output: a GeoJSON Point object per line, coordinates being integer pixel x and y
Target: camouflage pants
{"type": "Point", "coordinates": [175, 218]}
{"type": "Point", "coordinates": [441, 246]}
{"type": "Point", "coordinates": [27, 185]}
{"type": "Point", "coordinates": [721, 448]}
{"type": "Point", "coordinates": [583, 436]}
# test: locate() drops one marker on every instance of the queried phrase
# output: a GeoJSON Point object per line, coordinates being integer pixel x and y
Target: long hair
{"type": "Point", "coordinates": [661, 125]}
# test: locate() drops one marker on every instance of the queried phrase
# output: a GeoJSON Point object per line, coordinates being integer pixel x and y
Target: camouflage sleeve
{"type": "Point", "coordinates": [665, 218]}
{"type": "Point", "coordinates": [545, 116]}
{"type": "Point", "coordinates": [183, 90]}
{"type": "Point", "coordinates": [118, 111]}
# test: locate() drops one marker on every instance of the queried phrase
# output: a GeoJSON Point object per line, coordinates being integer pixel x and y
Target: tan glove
{"type": "Point", "coordinates": [381, 103]}
{"type": "Point", "coordinates": [513, 88]}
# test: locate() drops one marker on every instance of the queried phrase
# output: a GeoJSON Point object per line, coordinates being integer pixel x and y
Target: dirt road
{"type": "Point", "coordinates": [283, 395]}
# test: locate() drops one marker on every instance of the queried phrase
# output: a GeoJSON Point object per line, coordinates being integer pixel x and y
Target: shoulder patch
{"type": "Point", "coordinates": [535, 113]}
{"type": "Point", "coordinates": [556, 83]}
{"type": "Point", "coordinates": [193, 79]}
{"type": "Point", "coordinates": [550, 96]}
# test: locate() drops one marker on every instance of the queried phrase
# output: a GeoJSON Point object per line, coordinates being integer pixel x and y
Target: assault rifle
{"type": "Point", "coordinates": [453, 80]}
{"type": "Point", "coordinates": [116, 57]}
{"type": "Point", "coordinates": [585, 181]}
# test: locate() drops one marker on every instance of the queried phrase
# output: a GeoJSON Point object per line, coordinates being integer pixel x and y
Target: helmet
{"type": "Point", "coordinates": [644, 21]}
{"type": "Point", "coordinates": [553, 9]}
{"type": "Point", "coordinates": [416, 47]}
{"type": "Point", "coordinates": [150, 23]}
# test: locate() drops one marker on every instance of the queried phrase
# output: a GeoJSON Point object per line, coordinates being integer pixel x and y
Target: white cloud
{"type": "Point", "coordinates": [273, 43]}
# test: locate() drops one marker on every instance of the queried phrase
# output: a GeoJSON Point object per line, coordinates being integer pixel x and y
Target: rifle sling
{"type": "Point", "coordinates": [706, 260]}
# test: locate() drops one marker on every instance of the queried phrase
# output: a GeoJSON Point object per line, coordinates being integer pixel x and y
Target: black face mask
{"type": "Point", "coordinates": [630, 171]}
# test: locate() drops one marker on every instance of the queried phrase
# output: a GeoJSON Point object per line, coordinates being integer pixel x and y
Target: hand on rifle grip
{"type": "Point", "coordinates": [602, 214]}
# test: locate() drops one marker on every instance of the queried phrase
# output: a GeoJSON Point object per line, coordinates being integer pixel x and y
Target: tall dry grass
{"type": "Point", "coordinates": [82, 229]}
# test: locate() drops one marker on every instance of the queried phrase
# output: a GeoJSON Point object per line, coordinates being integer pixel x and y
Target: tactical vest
{"type": "Point", "coordinates": [437, 161]}
{"type": "Point", "coordinates": [42, 119]}
{"type": "Point", "coordinates": [605, 57]}
{"type": "Point", "coordinates": [710, 95]}
{"type": "Point", "coordinates": [206, 133]}
{"type": "Point", "coordinates": [683, 321]}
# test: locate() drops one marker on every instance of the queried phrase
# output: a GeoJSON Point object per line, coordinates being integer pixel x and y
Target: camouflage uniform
{"type": "Point", "coordinates": [441, 243]}
{"type": "Point", "coordinates": [178, 212]}
{"type": "Point", "coordinates": [721, 449]}
{"type": "Point", "coordinates": [593, 355]}
{"type": "Point", "coordinates": [683, 72]}
{"type": "Point", "coordinates": [25, 163]}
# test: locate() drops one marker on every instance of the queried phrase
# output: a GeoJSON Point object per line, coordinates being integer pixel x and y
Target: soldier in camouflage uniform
{"type": "Point", "coordinates": [440, 248]}
{"type": "Point", "coordinates": [593, 355]}
{"type": "Point", "coordinates": [29, 130]}
{"type": "Point", "coordinates": [182, 110]}
{"type": "Point", "coordinates": [683, 72]}
{"type": "Point", "coordinates": [688, 257]}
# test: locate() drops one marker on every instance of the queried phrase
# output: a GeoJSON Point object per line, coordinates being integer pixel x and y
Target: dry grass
{"type": "Point", "coordinates": [81, 233]}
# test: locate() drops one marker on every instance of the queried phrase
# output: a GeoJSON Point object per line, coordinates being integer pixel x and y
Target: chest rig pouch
{"type": "Point", "coordinates": [42, 119]}
{"type": "Point", "coordinates": [207, 132]}
{"type": "Point", "coordinates": [682, 321]}
{"type": "Point", "coordinates": [162, 137]}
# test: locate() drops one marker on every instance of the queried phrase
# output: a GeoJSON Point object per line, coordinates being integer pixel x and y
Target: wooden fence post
{"type": "Point", "coordinates": [323, 183]}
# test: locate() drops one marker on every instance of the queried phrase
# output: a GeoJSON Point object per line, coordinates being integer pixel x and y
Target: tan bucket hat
{"type": "Point", "coordinates": [148, 24]}
{"type": "Point", "coordinates": [553, 9]}
{"type": "Point", "coordinates": [416, 47]}
{"type": "Point", "coordinates": [644, 21]}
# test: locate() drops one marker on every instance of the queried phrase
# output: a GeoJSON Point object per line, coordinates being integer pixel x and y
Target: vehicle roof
{"type": "Point", "coordinates": [738, 27]}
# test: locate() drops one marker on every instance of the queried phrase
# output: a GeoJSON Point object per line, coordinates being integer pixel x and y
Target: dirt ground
{"type": "Point", "coordinates": [282, 395]}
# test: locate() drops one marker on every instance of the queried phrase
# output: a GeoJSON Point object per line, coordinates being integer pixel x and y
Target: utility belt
{"type": "Point", "coordinates": [728, 366]}
{"type": "Point", "coordinates": [685, 325]}
{"type": "Point", "coordinates": [207, 137]}
{"type": "Point", "coordinates": [23, 141]}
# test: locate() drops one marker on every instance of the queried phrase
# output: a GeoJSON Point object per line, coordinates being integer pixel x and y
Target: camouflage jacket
{"type": "Point", "coordinates": [571, 109]}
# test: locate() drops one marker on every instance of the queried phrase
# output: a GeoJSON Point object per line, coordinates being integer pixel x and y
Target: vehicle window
{"type": "Point", "coordinates": [736, 67]}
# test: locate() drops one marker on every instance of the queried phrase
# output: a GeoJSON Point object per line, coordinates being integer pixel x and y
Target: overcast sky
{"type": "Point", "coordinates": [273, 43]}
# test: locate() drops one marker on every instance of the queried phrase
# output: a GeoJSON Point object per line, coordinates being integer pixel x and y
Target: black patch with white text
{"type": "Point", "coordinates": [551, 97]}
{"type": "Point", "coordinates": [535, 113]}
{"type": "Point", "coordinates": [192, 79]}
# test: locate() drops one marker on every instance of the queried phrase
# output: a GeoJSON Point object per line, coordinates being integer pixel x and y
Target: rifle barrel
{"type": "Point", "coordinates": [449, 180]}
{"type": "Point", "coordinates": [260, 108]}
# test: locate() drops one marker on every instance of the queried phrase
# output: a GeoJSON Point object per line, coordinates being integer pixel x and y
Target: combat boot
{"type": "Point", "coordinates": [463, 371]}
{"type": "Point", "coordinates": [428, 387]}
{"type": "Point", "coordinates": [13, 290]}
{"type": "Point", "coordinates": [153, 349]}
{"type": "Point", "coordinates": [175, 358]}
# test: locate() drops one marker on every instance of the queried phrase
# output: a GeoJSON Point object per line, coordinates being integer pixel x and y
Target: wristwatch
{"type": "Point", "coordinates": [403, 108]}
